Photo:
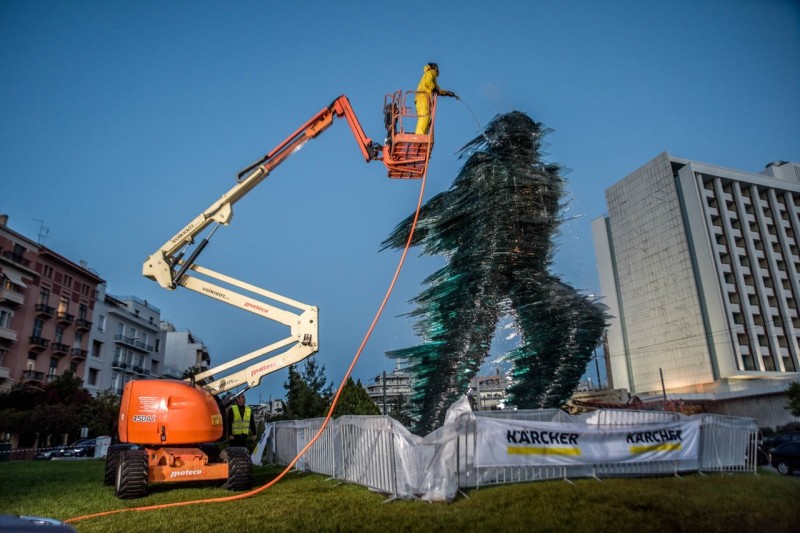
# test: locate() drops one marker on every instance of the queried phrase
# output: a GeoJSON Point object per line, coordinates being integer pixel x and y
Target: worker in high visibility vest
{"type": "Point", "coordinates": [239, 423]}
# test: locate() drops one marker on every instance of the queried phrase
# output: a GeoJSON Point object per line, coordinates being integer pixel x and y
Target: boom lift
{"type": "Point", "coordinates": [167, 428]}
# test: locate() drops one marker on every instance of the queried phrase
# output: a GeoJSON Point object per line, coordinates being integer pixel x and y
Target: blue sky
{"type": "Point", "coordinates": [121, 121]}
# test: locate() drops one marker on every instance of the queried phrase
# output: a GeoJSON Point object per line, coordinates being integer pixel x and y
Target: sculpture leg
{"type": "Point", "coordinates": [459, 323]}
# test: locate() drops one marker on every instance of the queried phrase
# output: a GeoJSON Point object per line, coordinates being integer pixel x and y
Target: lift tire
{"type": "Point", "coordinates": [112, 460]}
{"type": "Point", "coordinates": [131, 479]}
{"type": "Point", "coordinates": [240, 469]}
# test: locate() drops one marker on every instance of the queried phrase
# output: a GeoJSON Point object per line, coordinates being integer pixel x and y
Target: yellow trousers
{"type": "Point", "coordinates": [423, 104]}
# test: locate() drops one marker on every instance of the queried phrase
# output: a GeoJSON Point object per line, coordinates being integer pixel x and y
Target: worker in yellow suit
{"type": "Point", "coordinates": [425, 90]}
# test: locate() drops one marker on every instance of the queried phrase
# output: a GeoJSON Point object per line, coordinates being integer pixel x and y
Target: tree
{"type": "Point", "coordinates": [306, 394]}
{"type": "Point", "coordinates": [102, 414]}
{"type": "Point", "coordinates": [794, 398]}
{"type": "Point", "coordinates": [59, 409]}
{"type": "Point", "coordinates": [354, 400]}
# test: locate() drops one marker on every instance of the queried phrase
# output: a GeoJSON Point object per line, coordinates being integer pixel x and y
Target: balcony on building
{"type": "Point", "coordinates": [11, 298]}
{"type": "Point", "coordinates": [32, 375]}
{"type": "Point", "coordinates": [7, 336]}
{"type": "Point", "coordinates": [133, 343]}
{"type": "Point", "coordinates": [16, 258]}
{"type": "Point", "coordinates": [65, 318]}
{"type": "Point", "coordinates": [77, 353]}
{"type": "Point", "coordinates": [59, 348]}
{"type": "Point", "coordinates": [119, 364]}
{"type": "Point", "coordinates": [44, 310]}
{"type": "Point", "coordinates": [38, 343]}
{"type": "Point", "coordinates": [83, 324]}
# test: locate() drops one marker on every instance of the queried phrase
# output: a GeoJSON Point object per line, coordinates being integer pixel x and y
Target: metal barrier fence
{"type": "Point", "coordinates": [379, 453]}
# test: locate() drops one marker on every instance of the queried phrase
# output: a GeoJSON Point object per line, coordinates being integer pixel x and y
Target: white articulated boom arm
{"type": "Point", "coordinates": [168, 268]}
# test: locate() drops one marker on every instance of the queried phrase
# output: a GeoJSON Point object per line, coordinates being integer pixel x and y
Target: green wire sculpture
{"type": "Point", "coordinates": [495, 226]}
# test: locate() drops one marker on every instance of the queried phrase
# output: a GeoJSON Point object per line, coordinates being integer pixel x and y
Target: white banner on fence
{"type": "Point", "coordinates": [521, 443]}
{"type": "Point", "coordinates": [255, 457]}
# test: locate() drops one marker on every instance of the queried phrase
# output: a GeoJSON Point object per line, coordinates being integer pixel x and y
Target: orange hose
{"type": "Point", "coordinates": [330, 410]}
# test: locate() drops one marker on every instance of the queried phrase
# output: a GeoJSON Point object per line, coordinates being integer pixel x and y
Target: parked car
{"type": "Point", "coordinates": [779, 438]}
{"type": "Point", "coordinates": [79, 448]}
{"type": "Point", "coordinates": [786, 457]}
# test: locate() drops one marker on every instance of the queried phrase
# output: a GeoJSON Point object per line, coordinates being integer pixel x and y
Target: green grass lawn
{"type": "Point", "coordinates": [305, 502]}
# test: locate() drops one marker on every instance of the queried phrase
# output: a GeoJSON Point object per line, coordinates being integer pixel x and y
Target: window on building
{"type": "Point", "coordinates": [59, 334]}
{"type": "Point", "coordinates": [93, 376]}
{"type": "Point", "coordinates": [83, 311]}
{"type": "Point", "coordinates": [19, 253]}
{"type": "Point", "coordinates": [47, 272]}
{"type": "Point", "coordinates": [120, 329]}
{"type": "Point", "coordinates": [73, 367]}
{"type": "Point", "coordinates": [5, 318]}
{"type": "Point", "coordinates": [67, 282]}
{"type": "Point", "coordinates": [78, 340]}
{"type": "Point", "coordinates": [53, 366]}
{"type": "Point", "coordinates": [38, 325]}
{"type": "Point", "coordinates": [154, 368]}
{"type": "Point", "coordinates": [101, 323]}
{"type": "Point", "coordinates": [63, 304]}
{"type": "Point", "coordinates": [97, 349]}
{"type": "Point", "coordinates": [158, 345]}
{"type": "Point", "coordinates": [44, 296]}
{"type": "Point", "coordinates": [30, 365]}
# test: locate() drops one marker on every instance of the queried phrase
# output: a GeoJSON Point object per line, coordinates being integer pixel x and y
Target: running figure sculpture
{"type": "Point", "coordinates": [495, 226]}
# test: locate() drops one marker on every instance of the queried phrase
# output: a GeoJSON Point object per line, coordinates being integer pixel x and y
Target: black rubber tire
{"type": "Point", "coordinates": [783, 468]}
{"type": "Point", "coordinates": [240, 469]}
{"type": "Point", "coordinates": [131, 481]}
{"type": "Point", "coordinates": [112, 461]}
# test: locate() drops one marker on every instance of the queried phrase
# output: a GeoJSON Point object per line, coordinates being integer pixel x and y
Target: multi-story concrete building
{"type": "Point", "coordinates": [391, 391]}
{"type": "Point", "coordinates": [184, 352]}
{"type": "Point", "coordinates": [46, 306]}
{"type": "Point", "coordinates": [127, 343]}
{"type": "Point", "coordinates": [488, 393]}
{"type": "Point", "coordinates": [700, 267]}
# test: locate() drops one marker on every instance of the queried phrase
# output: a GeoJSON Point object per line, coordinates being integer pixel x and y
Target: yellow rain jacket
{"type": "Point", "coordinates": [427, 85]}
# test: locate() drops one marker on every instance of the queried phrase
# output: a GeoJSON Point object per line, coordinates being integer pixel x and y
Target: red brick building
{"type": "Point", "coordinates": [46, 306]}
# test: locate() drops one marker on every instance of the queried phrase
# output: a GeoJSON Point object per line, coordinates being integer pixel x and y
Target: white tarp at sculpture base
{"type": "Point", "coordinates": [521, 443]}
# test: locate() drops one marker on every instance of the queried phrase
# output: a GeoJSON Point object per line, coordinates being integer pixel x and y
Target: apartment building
{"type": "Point", "coordinates": [46, 309]}
{"type": "Point", "coordinates": [184, 352]}
{"type": "Point", "coordinates": [126, 343]}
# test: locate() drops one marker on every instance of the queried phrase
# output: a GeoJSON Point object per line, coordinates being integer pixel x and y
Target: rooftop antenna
{"type": "Point", "coordinates": [43, 231]}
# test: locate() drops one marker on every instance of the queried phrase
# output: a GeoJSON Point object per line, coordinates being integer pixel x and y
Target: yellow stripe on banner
{"type": "Point", "coordinates": [667, 447]}
{"type": "Point", "coordinates": [527, 450]}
